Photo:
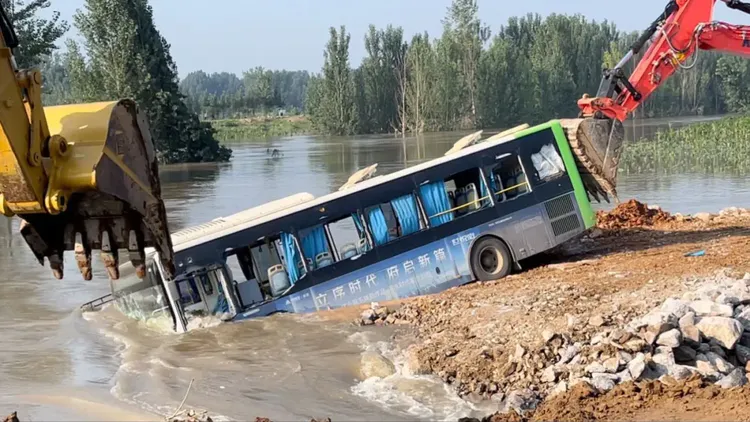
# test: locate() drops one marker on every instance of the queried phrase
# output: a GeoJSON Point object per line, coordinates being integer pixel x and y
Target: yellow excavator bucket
{"type": "Point", "coordinates": [102, 189]}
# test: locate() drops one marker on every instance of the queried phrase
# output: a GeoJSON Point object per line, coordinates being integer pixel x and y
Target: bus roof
{"type": "Point", "coordinates": [246, 218]}
{"type": "Point", "coordinates": [240, 226]}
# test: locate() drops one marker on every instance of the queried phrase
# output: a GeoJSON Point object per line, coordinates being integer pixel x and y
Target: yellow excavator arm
{"type": "Point", "coordinates": [81, 177]}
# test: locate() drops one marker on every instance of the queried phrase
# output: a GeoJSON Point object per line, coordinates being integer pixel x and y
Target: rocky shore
{"type": "Point", "coordinates": [646, 305]}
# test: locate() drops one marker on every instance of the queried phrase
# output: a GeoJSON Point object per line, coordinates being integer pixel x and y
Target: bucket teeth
{"type": "Point", "coordinates": [57, 265]}
{"type": "Point", "coordinates": [83, 256]}
{"type": "Point", "coordinates": [110, 257]}
{"type": "Point", "coordinates": [136, 254]}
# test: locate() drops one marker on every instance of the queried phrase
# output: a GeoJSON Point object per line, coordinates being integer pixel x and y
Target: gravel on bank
{"type": "Point", "coordinates": [625, 309]}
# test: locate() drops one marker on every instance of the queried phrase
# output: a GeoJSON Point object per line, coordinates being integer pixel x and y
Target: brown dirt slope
{"type": "Point", "coordinates": [486, 339]}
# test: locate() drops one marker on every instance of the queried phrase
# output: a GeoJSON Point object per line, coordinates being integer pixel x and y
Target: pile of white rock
{"type": "Point", "coordinates": [703, 333]}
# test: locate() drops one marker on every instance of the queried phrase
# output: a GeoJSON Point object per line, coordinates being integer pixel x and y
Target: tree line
{"type": "Point", "coordinates": [259, 91]}
{"type": "Point", "coordinates": [122, 55]}
{"type": "Point", "coordinates": [534, 69]}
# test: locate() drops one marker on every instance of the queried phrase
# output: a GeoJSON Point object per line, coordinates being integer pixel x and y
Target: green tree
{"type": "Point", "coordinates": [338, 114]}
{"type": "Point", "coordinates": [36, 36]}
{"type": "Point", "coordinates": [129, 58]}
{"type": "Point", "coordinates": [467, 35]}
{"type": "Point", "coordinates": [420, 63]}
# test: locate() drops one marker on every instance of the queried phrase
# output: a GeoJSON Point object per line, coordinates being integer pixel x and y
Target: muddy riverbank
{"type": "Point", "coordinates": [560, 340]}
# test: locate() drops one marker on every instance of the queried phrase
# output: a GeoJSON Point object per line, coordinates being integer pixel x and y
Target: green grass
{"type": "Point", "coordinates": [718, 146]}
{"type": "Point", "coordinates": [261, 128]}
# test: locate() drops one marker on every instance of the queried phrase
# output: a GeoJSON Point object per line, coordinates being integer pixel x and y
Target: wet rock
{"type": "Point", "coordinates": [548, 335]}
{"type": "Point", "coordinates": [637, 366]}
{"type": "Point", "coordinates": [742, 353]}
{"type": "Point", "coordinates": [721, 365]}
{"type": "Point", "coordinates": [676, 307]}
{"type": "Point", "coordinates": [602, 384]}
{"type": "Point", "coordinates": [382, 311]}
{"type": "Point", "coordinates": [521, 401]}
{"type": "Point", "coordinates": [474, 397]}
{"type": "Point", "coordinates": [596, 321]}
{"type": "Point", "coordinates": [709, 308]}
{"type": "Point", "coordinates": [684, 354]}
{"type": "Point", "coordinates": [497, 397]}
{"type": "Point", "coordinates": [374, 364]}
{"type": "Point", "coordinates": [726, 331]}
{"type": "Point", "coordinates": [368, 315]}
{"type": "Point", "coordinates": [415, 365]}
{"type": "Point", "coordinates": [671, 338]}
{"type": "Point", "coordinates": [736, 378]}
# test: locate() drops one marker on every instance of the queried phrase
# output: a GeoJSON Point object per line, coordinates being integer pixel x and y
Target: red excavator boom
{"type": "Point", "coordinates": [676, 35]}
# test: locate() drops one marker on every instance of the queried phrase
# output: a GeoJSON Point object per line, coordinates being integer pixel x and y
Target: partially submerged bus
{"type": "Point", "coordinates": [470, 215]}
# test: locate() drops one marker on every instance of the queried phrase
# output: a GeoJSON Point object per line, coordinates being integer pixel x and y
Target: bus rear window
{"type": "Point", "coordinates": [548, 163]}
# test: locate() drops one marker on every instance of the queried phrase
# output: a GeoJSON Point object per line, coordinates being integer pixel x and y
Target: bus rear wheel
{"type": "Point", "coordinates": [490, 259]}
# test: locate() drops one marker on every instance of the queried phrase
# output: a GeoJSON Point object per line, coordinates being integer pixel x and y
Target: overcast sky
{"type": "Point", "coordinates": [235, 35]}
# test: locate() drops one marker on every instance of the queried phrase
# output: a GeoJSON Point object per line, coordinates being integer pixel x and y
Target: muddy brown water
{"type": "Point", "coordinates": [57, 364]}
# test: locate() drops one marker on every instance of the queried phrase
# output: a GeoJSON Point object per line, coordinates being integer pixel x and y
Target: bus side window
{"type": "Point", "coordinates": [508, 179]}
{"type": "Point", "coordinates": [349, 237]}
{"type": "Point", "coordinates": [394, 219]}
{"type": "Point", "coordinates": [458, 195]}
{"type": "Point", "coordinates": [315, 247]}
{"type": "Point", "coordinates": [547, 163]}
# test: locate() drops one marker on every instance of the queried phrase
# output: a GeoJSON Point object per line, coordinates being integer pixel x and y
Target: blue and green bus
{"type": "Point", "coordinates": [471, 215]}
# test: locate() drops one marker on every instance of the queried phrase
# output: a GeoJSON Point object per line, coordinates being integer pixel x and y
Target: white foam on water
{"type": "Point", "coordinates": [420, 396]}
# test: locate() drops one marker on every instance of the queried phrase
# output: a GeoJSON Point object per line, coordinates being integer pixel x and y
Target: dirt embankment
{"type": "Point", "coordinates": [556, 341]}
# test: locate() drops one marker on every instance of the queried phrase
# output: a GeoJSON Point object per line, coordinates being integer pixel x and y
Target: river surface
{"type": "Point", "coordinates": [57, 364]}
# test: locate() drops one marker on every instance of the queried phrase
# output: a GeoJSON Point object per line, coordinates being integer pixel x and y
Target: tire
{"type": "Point", "coordinates": [490, 259]}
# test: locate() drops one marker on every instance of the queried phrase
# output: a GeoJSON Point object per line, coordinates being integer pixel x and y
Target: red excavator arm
{"type": "Point", "coordinates": [684, 27]}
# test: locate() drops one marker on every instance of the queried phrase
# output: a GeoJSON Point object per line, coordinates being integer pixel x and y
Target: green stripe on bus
{"type": "Point", "coordinates": [589, 218]}
{"type": "Point", "coordinates": [582, 198]}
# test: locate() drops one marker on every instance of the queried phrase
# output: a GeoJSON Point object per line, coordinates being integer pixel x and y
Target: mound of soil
{"type": "Point", "coordinates": [691, 399]}
{"type": "Point", "coordinates": [632, 214]}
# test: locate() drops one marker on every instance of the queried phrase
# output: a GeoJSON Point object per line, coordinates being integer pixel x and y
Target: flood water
{"type": "Point", "coordinates": [56, 364]}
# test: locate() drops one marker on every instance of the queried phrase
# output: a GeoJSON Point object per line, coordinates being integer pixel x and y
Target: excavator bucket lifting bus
{"type": "Point", "coordinates": [684, 27]}
{"type": "Point", "coordinates": [81, 177]}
